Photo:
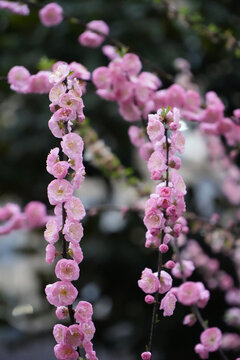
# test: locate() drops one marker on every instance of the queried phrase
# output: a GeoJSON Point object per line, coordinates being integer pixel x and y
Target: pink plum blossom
{"type": "Point", "coordinates": [149, 282]}
{"type": "Point", "coordinates": [51, 14]}
{"type": "Point", "coordinates": [72, 145]}
{"type": "Point", "coordinates": [18, 78]}
{"type": "Point", "coordinates": [51, 234]}
{"type": "Point", "coordinates": [187, 269]}
{"type": "Point", "coordinates": [73, 231]}
{"type": "Point", "coordinates": [59, 191]}
{"type": "Point", "coordinates": [101, 78]}
{"type": "Point", "coordinates": [188, 293]}
{"type": "Point", "coordinates": [155, 128]}
{"type": "Point", "coordinates": [59, 333]}
{"type": "Point", "coordinates": [60, 169]}
{"type": "Point", "coordinates": [156, 165]}
{"type": "Point", "coordinates": [39, 83]}
{"type": "Point", "coordinates": [211, 339]}
{"type": "Point", "coordinates": [131, 64]}
{"type": "Point", "coordinates": [67, 270]}
{"type": "Point", "coordinates": [146, 355]}
{"type": "Point", "coordinates": [61, 293]}
{"type": "Point", "coordinates": [62, 312]}
{"type": "Point", "coordinates": [74, 336]}
{"type": "Point", "coordinates": [129, 111]}
{"type": "Point", "coordinates": [36, 214]}
{"type": "Point", "coordinates": [50, 253]}
{"type": "Point", "coordinates": [88, 329]}
{"type": "Point", "coordinates": [56, 92]}
{"type": "Point", "coordinates": [110, 52]}
{"type": "Point", "coordinates": [52, 158]}
{"type": "Point", "coordinates": [83, 311]}
{"type": "Point", "coordinates": [149, 299]}
{"type": "Point", "coordinates": [92, 38]}
{"type": "Point", "coordinates": [75, 252]}
{"type": "Point", "coordinates": [79, 71]}
{"type": "Point", "coordinates": [60, 73]}
{"type": "Point", "coordinates": [65, 352]}
{"type": "Point", "coordinates": [165, 282]}
{"type": "Point", "coordinates": [75, 209]}
{"type": "Point", "coordinates": [201, 351]}
{"type": "Point", "coordinates": [189, 320]}
{"type": "Point", "coordinates": [15, 7]}
{"type": "Point", "coordinates": [168, 304]}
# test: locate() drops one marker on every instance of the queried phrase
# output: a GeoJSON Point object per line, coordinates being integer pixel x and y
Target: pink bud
{"type": "Point", "coordinates": [146, 355]}
{"type": "Point", "coordinates": [163, 248]}
{"type": "Point", "coordinates": [149, 299]}
{"type": "Point", "coordinates": [169, 264]}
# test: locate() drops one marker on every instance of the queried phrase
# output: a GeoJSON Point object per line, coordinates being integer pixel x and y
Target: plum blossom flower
{"type": "Point", "coordinates": [75, 252]}
{"type": "Point", "coordinates": [211, 339]}
{"type": "Point", "coordinates": [187, 269]}
{"type": "Point", "coordinates": [62, 312]}
{"type": "Point", "coordinates": [75, 209]}
{"type": "Point", "coordinates": [88, 329]}
{"type": "Point", "coordinates": [51, 234]}
{"type": "Point", "coordinates": [61, 293]}
{"type": "Point", "coordinates": [92, 39]}
{"type": "Point", "coordinates": [131, 64]}
{"type": "Point", "coordinates": [50, 253]}
{"type": "Point", "coordinates": [60, 169]}
{"type": "Point", "coordinates": [72, 145]}
{"type": "Point", "coordinates": [18, 78]}
{"type": "Point", "coordinates": [149, 282]}
{"type": "Point", "coordinates": [201, 351]}
{"type": "Point", "coordinates": [83, 311]}
{"type": "Point", "coordinates": [73, 231]}
{"type": "Point", "coordinates": [36, 214]}
{"type": "Point", "coordinates": [189, 320]}
{"type": "Point", "coordinates": [39, 83]}
{"type": "Point", "coordinates": [188, 293]}
{"type": "Point", "coordinates": [155, 128]}
{"type": "Point", "coordinates": [165, 282]}
{"type": "Point", "coordinates": [60, 74]}
{"type": "Point", "coordinates": [146, 355]}
{"type": "Point", "coordinates": [15, 7]}
{"type": "Point", "coordinates": [59, 333]}
{"type": "Point", "coordinates": [74, 336]}
{"type": "Point", "coordinates": [67, 270]}
{"type": "Point", "coordinates": [65, 352]}
{"type": "Point", "coordinates": [51, 14]}
{"type": "Point", "coordinates": [168, 304]}
{"type": "Point", "coordinates": [157, 165]}
{"type": "Point", "coordinates": [59, 191]}
{"type": "Point", "coordinates": [56, 92]}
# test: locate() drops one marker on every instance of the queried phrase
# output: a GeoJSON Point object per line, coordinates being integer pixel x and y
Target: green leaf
{"type": "Point", "coordinates": [183, 10]}
{"type": "Point", "coordinates": [45, 63]}
{"type": "Point", "coordinates": [237, 53]}
{"type": "Point", "coordinates": [213, 28]}
{"type": "Point", "coordinates": [122, 51]}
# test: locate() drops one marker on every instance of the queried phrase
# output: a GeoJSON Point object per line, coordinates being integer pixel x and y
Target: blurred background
{"type": "Point", "coordinates": [113, 243]}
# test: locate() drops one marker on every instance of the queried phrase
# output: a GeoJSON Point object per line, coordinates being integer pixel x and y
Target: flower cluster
{"type": "Point", "coordinates": [12, 218]}
{"type": "Point", "coordinates": [138, 94]}
{"type": "Point", "coordinates": [164, 222]}
{"type": "Point", "coordinates": [163, 211]}
{"type": "Point", "coordinates": [67, 106]}
{"type": "Point", "coordinates": [22, 81]}
{"type": "Point", "coordinates": [122, 81]}
{"type": "Point", "coordinates": [15, 7]}
{"type": "Point", "coordinates": [94, 34]}
{"type": "Point", "coordinates": [211, 339]}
